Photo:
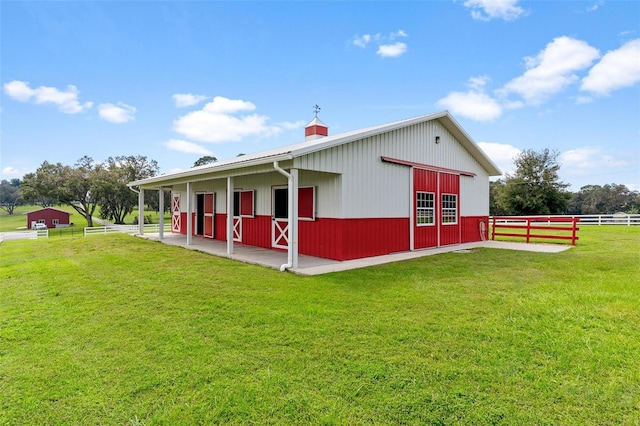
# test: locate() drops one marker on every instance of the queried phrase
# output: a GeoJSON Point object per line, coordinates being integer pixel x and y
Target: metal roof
{"type": "Point", "coordinates": [289, 152]}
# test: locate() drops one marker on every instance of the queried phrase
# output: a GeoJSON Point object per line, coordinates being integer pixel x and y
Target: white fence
{"type": "Point", "coordinates": [595, 219]}
{"type": "Point", "coordinates": [126, 229]}
{"type": "Point", "coordinates": [23, 235]}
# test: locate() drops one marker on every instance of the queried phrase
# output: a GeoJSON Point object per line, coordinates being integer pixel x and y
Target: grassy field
{"type": "Point", "coordinates": [121, 330]}
{"type": "Point", "coordinates": [18, 220]}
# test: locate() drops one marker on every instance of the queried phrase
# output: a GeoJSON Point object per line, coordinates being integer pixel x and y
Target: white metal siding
{"type": "Point", "coordinates": [371, 188]}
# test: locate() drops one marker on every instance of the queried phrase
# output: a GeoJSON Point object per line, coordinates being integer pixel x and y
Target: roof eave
{"type": "Point", "coordinates": [213, 168]}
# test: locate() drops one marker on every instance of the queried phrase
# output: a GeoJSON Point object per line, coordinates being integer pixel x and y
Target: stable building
{"type": "Point", "coordinates": [409, 185]}
{"type": "Point", "coordinates": [50, 216]}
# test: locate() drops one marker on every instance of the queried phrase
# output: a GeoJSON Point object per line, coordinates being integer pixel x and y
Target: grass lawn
{"type": "Point", "coordinates": [121, 330]}
{"type": "Point", "coordinates": [18, 220]}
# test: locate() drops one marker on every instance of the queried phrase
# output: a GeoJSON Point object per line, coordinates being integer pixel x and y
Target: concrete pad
{"type": "Point", "coordinates": [310, 265]}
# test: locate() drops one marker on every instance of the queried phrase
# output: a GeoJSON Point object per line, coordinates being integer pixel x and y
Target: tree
{"type": "Point", "coordinates": [207, 159]}
{"type": "Point", "coordinates": [74, 186]}
{"type": "Point", "coordinates": [496, 198]}
{"type": "Point", "coordinates": [607, 199]}
{"type": "Point", "coordinates": [153, 202]}
{"type": "Point", "coordinates": [115, 198]}
{"type": "Point", "coordinates": [41, 187]}
{"type": "Point", "coordinates": [79, 187]}
{"type": "Point", "coordinates": [10, 195]}
{"type": "Point", "coordinates": [535, 188]}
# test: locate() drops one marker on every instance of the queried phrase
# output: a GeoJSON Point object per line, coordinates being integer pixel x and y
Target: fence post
{"type": "Point", "coordinates": [493, 229]}
{"type": "Point", "coordinates": [528, 229]}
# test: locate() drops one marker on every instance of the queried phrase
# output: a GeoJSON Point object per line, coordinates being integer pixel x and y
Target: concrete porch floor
{"type": "Point", "coordinates": [309, 265]}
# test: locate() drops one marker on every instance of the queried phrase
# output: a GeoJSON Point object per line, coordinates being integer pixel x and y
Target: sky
{"type": "Point", "coordinates": [178, 80]}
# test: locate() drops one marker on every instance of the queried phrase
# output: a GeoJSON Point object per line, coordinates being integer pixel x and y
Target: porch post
{"type": "Point", "coordinates": [161, 208]}
{"type": "Point", "coordinates": [229, 215]}
{"type": "Point", "coordinates": [141, 211]}
{"type": "Point", "coordinates": [189, 218]}
{"type": "Point", "coordinates": [293, 217]}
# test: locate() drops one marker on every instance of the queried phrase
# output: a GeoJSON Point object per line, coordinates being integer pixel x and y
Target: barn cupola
{"type": "Point", "coordinates": [316, 128]}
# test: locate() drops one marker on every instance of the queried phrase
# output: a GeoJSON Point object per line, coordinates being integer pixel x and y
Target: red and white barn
{"type": "Point", "coordinates": [49, 216]}
{"type": "Point", "coordinates": [409, 185]}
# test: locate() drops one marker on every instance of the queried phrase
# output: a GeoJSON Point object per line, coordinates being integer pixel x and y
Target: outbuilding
{"type": "Point", "coordinates": [413, 184]}
{"type": "Point", "coordinates": [50, 216]}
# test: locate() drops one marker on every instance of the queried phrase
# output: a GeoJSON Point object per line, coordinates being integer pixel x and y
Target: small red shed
{"type": "Point", "coordinates": [49, 216]}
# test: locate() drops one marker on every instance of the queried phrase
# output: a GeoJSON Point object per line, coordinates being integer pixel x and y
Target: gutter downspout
{"type": "Point", "coordinates": [140, 210]}
{"type": "Point", "coordinates": [289, 263]}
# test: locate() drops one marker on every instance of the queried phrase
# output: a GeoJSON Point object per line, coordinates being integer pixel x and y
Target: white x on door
{"type": "Point", "coordinates": [280, 218]}
{"type": "Point", "coordinates": [175, 213]}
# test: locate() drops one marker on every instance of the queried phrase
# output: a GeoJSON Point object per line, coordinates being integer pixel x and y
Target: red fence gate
{"type": "Point", "coordinates": [542, 224]}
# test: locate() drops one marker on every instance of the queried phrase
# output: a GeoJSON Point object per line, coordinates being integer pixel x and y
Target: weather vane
{"type": "Point", "coordinates": [316, 109]}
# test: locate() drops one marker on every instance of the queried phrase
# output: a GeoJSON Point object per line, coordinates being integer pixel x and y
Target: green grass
{"type": "Point", "coordinates": [121, 330]}
{"type": "Point", "coordinates": [18, 220]}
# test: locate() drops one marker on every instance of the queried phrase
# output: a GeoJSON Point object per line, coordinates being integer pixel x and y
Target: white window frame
{"type": "Point", "coordinates": [42, 221]}
{"type": "Point", "coordinates": [449, 209]}
{"type": "Point", "coordinates": [425, 208]}
{"type": "Point", "coordinates": [55, 221]}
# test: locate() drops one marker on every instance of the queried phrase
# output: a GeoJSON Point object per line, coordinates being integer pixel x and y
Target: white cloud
{"type": "Point", "coordinates": [485, 10]}
{"type": "Point", "coordinates": [391, 50]}
{"type": "Point", "coordinates": [585, 161]}
{"type": "Point", "coordinates": [187, 99]}
{"type": "Point", "coordinates": [362, 41]}
{"type": "Point", "coordinates": [116, 113]}
{"type": "Point", "coordinates": [475, 103]}
{"type": "Point", "coordinates": [552, 70]}
{"type": "Point", "coordinates": [220, 121]}
{"type": "Point", "coordinates": [186, 147]}
{"type": "Point", "coordinates": [501, 154]}
{"type": "Point", "coordinates": [386, 46]}
{"type": "Point", "coordinates": [10, 172]}
{"type": "Point", "coordinates": [287, 125]}
{"type": "Point", "coordinates": [618, 68]}
{"type": "Point", "coordinates": [67, 101]}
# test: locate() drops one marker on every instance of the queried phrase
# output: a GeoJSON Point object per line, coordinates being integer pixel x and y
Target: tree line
{"type": "Point", "coordinates": [534, 188]}
{"type": "Point", "coordinates": [85, 186]}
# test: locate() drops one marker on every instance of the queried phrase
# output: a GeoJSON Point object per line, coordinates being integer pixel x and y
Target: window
{"type": "Point", "coordinates": [424, 208]}
{"type": "Point", "coordinates": [55, 221]}
{"type": "Point", "coordinates": [449, 208]}
{"type": "Point", "coordinates": [243, 203]}
{"type": "Point", "coordinates": [42, 221]}
{"type": "Point", "coordinates": [306, 205]}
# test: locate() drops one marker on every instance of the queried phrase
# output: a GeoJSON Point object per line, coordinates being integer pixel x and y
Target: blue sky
{"type": "Point", "coordinates": [174, 81]}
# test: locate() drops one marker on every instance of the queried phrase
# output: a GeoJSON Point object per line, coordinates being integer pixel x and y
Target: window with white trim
{"type": "Point", "coordinates": [42, 221]}
{"type": "Point", "coordinates": [449, 208]}
{"type": "Point", "coordinates": [55, 221]}
{"type": "Point", "coordinates": [425, 208]}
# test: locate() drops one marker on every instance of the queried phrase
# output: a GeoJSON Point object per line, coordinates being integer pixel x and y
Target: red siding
{"type": "Point", "coordinates": [316, 130]}
{"type": "Point", "coordinates": [221, 226]}
{"type": "Point", "coordinates": [256, 231]}
{"type": "Point", "coordinates": [471, 228]}
{"type": "Point", "coordinates": [343, 239]}
{"type": "Point", "coordinates": [183, 223]}
{"type": "Point", "coordinates": [48, 214]}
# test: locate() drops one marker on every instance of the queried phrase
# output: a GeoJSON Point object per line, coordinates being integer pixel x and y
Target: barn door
{"type": "Point", "coordinates": [237, 218]}
{"type": "Point", "coordinates": [175, 213]}
{"type": "Point", "coordinates": [449, 211]}
{"type": "Point", "coordinates": [280, 218]}
{"type": "Point", "coordinates": [436, 209]}
{"type": "Point", "coordinates": [209, 215]}
{"type": "Point", "coordinates": [425, 200]}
